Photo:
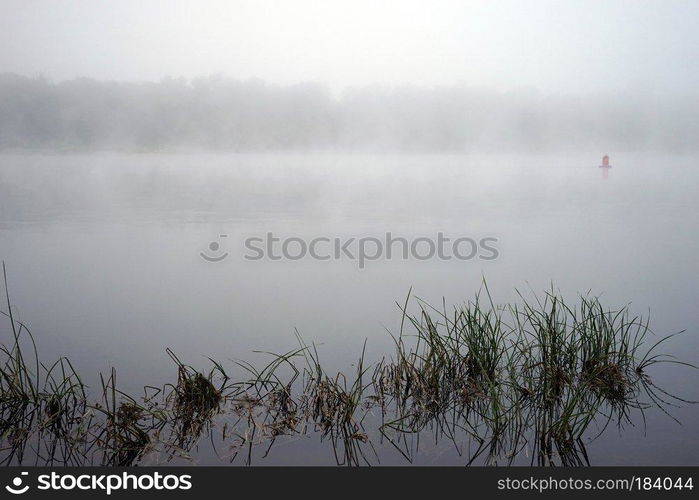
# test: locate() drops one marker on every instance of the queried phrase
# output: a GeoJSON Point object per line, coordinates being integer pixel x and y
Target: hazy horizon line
{"type": "Point", "coordinates": [339, 91]}
{"type": "Point", "coordinates": [219, 112]}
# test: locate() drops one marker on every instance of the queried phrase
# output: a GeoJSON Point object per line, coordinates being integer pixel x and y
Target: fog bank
{"type": "Point", "coordinates": [217, 113]}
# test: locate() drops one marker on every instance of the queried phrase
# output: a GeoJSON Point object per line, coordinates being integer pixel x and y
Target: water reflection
{"type": "Point", "coordinates": [538, 380]}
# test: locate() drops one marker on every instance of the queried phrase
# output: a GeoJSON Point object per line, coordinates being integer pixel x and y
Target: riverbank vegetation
{"type": "Point", "coordinates": [540, 379]}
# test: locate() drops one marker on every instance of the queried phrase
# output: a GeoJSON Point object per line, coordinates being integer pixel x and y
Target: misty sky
{"type": "Point", "coordinates": [554, 46]}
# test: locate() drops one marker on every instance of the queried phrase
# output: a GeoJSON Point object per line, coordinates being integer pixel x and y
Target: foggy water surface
{"type": "Point", "coordinates": [103, 255]}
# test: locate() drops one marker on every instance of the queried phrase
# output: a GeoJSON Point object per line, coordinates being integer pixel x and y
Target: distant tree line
{"type": "Point", "coordinates": [218, 113]}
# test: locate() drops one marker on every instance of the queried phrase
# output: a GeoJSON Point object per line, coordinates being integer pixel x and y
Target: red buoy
{"type": "Point", "coordinates": [605, 162]}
